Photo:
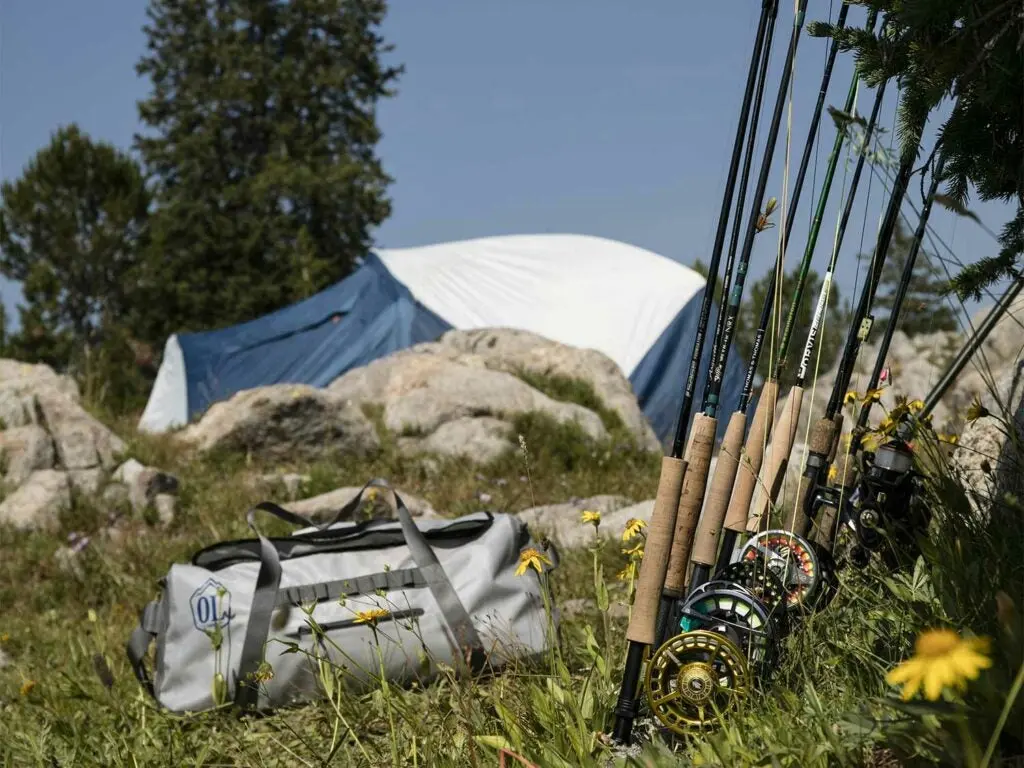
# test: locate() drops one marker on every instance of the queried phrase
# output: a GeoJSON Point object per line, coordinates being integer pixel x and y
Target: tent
{"type": "Point", "coordinates": [635, 306]}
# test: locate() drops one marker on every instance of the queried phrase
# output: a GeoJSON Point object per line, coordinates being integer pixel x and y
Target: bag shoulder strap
{"type": "Point", "coordinates": [466, 639]}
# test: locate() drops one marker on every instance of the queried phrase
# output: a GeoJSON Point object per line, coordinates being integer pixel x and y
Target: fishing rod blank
{"type": "Point", "coordinates": [641, 632]}
{"type": "Point", "coordinates": [705, 547]}
{"type": "Point", "coordinates": [774, 469]}
{"type": "Point", "coordinates": [823, 432]}
{"type": "Point", "coordinates": [972, 346]}
{"type": "Point", "coordinates": [898, 299]}
{"type": "Point", "coordinates": [705, 424]}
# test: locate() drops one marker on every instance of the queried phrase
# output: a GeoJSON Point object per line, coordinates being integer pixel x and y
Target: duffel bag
{"type": "Point", "coordinates": [257, 621]}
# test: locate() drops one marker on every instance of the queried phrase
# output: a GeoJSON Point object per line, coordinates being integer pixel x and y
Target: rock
{"type": "Point", "coordinates": [86, 481]}
{"type": "Point", "coordinates": [116, 495]}
{"type": "Point", "coordinates": [291, 482]}
{"type": "Point", "coordinates": [988, 458]}
{"type": "Point", "coordinates": [514, 350]}
{"type": "Point", "coordinates": [457, 392]}
{"type": "Point", "coordinates": [82, 442]}
{"type": "Point", "coordinates": [25, 449]}
{"type": "Point", "coordinates": [37, 502]}
{"type": "Point", "coordinates": [165, 504]}
{"type": "Point", "coordinates": [327, 504]}
{"type": "Point", "coordinates": [482, 439]}
{"type": "Point", "coordinates": [561, 522]}
{"type": "Point", "coordinates": [141, 485]}
{"type": "Point", "coordinates": [17, 409]}
{"type": "Point", "coordinates": [284, 422]}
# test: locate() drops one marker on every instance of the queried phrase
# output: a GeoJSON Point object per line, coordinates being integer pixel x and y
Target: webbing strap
{"type": "Point", "coordinates": [390, 581]}
{"type": "Point", "coordinates": [150, 625]}
{"type": "Point", "coordinates": [266, 596]}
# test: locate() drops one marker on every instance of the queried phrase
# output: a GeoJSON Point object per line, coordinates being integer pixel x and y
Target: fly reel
{"type": "Point", "coordinates": [797, 563]}
{"type": "Point", "coordinates": [732, 611]}
{"type": "Point", "coordinates": [694, 678]}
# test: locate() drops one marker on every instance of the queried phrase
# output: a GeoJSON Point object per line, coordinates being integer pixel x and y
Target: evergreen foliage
{"type": "Point", "coordinates": [924, 310]}
{"type": "Point", "coordinates": [262, 151]}
{"type": "Point", "coordinates": [972, 52]}
{"type": "Point", "coordinates": [70, 229]}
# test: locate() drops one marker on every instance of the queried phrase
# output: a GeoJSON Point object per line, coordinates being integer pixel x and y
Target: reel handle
{"type": "Point", "coordinates": [698, 460]}
{"type": "Point", "coordinates": [705, 543]}
{"type": "Point", "coordinates": [775, 467]}
{"type": "Point", "coordinates": [746, 475]}
{"type": "Point", "coordinates": [654, 564]}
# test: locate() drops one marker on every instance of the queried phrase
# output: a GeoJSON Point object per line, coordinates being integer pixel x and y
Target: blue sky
{"type": "Point", "coordinates": [587, 116]}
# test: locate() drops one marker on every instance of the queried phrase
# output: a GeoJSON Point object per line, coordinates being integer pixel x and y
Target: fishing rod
{"type": "Point", "coordinates": [752, 518]}
{"type": "Point", "coordinates": [973, 344]}
{"type": "Point", "coordinates": [706, 538]}
{"type": "Point", "coordinates": [642, 631]}
{"type": "Point", "coordinates": [824, 431]}
{"type": "Point", "coordinates": [670, 589]}
{"type": "Point", "coordinates": [705, 424]}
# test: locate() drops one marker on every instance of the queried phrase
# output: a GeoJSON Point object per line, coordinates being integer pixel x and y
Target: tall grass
{"type": "Point", "coordinates": [827, 705]}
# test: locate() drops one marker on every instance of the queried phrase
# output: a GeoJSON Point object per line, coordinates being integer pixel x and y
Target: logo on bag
{"type": "Point", "coordinates": [211, 606]}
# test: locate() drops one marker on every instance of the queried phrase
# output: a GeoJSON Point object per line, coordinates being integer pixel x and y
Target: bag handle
{"type": "Point", "coordinates": [297, 520]}
{"type": "Point", "coordinates": [268, 582]}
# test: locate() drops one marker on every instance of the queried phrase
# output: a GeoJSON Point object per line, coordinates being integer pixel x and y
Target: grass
{"type": "Point", "coordinates": [828, 704]}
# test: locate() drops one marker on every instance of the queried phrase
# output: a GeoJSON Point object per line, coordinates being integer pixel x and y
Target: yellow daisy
{"type": "Point", "coordinates": [371, 616]}
{"type": "Point", "coordinates": [915, 405]}
{"type": "Point", "coordinates": [591, 517]}
{"type": "Point", "coordinates": [851, 397]}
{"type": "Point", "coordinates": [627, 573]}
{"type": "Point", "coordinates": [530, 557]}
{"type": "Point", "coordinates": [976, 410]}
{"type": "Point", "coordinates": [636, 550]}
{"type": "Point", "coordinates": [942, 659]}
{"type": "Point", "coordinates": [873, 395]}
{"type": "Point", "coordinates": [633, 528]}
{"type": "Point", "coordinates": [833, 473]}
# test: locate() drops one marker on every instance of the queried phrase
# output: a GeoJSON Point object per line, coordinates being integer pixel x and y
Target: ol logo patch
{"type": "Point", "coordinates": [211, 606]}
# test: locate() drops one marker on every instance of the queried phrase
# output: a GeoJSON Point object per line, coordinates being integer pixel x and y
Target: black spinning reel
{"type": "Point", "coordinates": [883, 514]}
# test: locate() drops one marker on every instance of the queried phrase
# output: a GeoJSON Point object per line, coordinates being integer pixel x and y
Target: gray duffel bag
{"type": "Point", "coordinates": [260, 622]}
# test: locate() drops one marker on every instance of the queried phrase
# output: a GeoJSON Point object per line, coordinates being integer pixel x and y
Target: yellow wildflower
{"type": "Point", "coordinates": [27, 686]}
{"type": "Point", "coordinates": [915, 405]}
{"type": "Point", "coordinates": [635, 551]}
{"type": "Point", "coordinates": [591, 517]}
{"type": "Point", "coordinates": [871, 441]}
{"type": "Point", "coordinates": [371, 616]}
{"type": "Point", "coordinates": [627, 573]}
{"type": "Point", "coordinates": [951, 439]}
{"type": "Point", "coordinates": [872, 395]}
{"type": "Point", "coordinates": [851, 397]}
{"type": "Point", "coordinates": [976, 410]}
{"type": "Point", "coordinates": [530, 557]}
{"type": "Point", "coordinates": [633, 528]}
{"type": "Point", "coordinates": [942, 659]}
{"type": "Point", "coordinates": [833, 473]}
{"type": "Point", "coordinates": [5, 637]}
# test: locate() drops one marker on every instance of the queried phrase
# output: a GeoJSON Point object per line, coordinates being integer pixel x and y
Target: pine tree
{"type": "Point", "coordinates": [262, 149]}
{"type": "Point", "coordinates": [924, 309]}
{"type": "Point", "coordinates": [70, 230]}
{"type": "Point", "coordinates": [972, 52]}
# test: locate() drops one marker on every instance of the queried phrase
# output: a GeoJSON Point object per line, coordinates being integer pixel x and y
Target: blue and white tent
{"type": "Point", "coordinates": [635, 306]}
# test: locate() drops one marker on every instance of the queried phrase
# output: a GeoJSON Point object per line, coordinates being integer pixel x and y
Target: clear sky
{"type": "Point", "coordinates": [586, 116]}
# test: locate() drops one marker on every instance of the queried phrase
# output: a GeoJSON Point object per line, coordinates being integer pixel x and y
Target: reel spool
{"type": "Point", "coordinates": [730, 610]}
{"type": "Point", "coordinates": [804, 570]}
{"type": "Point", "coordinates": [695, 677]}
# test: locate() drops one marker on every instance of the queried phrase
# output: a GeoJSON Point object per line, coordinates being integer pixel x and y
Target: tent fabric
{"type": "Point", "coordinates": [635, 306]}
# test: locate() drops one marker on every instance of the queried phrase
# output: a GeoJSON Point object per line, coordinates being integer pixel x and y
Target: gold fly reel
{"type": "Point", "coordinates": [694, 678]}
